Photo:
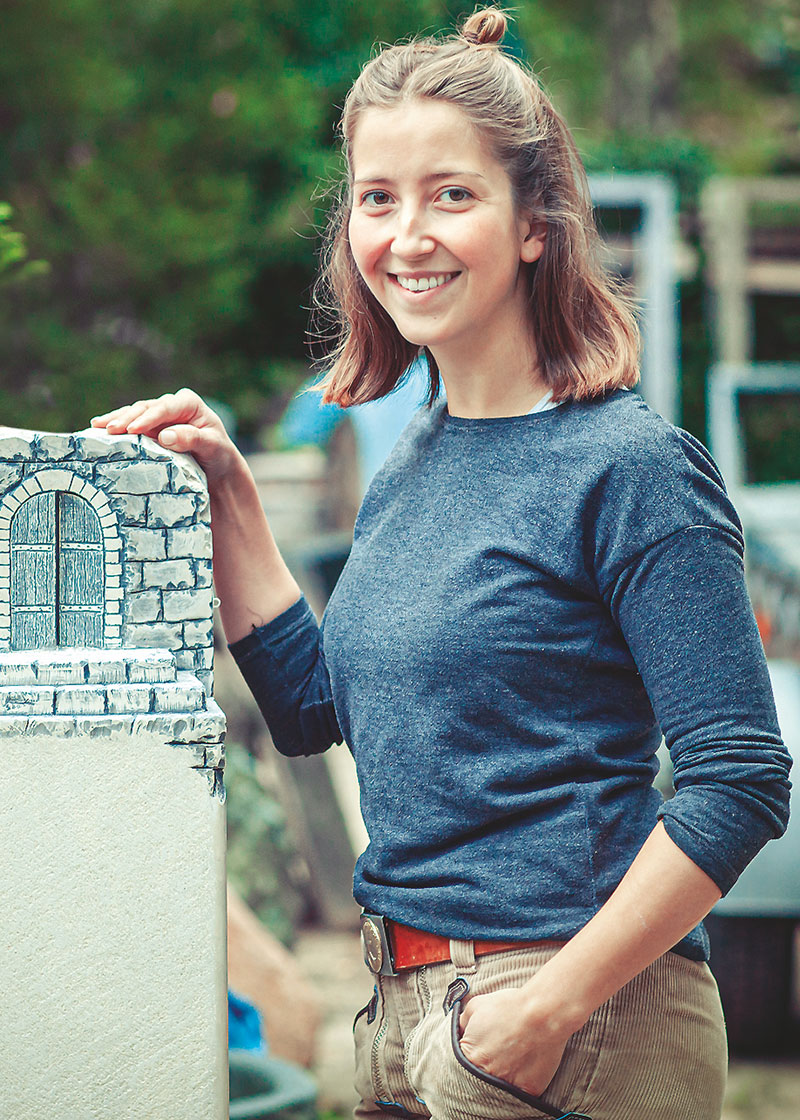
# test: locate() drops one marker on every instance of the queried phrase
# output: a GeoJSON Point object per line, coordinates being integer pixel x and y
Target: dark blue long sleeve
{"type": "Point", "coordinates": [707, 679]}
{"type": "Point", "coordinates": [284, 667]}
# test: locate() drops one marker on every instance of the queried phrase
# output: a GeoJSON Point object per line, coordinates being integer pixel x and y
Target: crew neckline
{"type": "Point", "coordinates": [538, 414]}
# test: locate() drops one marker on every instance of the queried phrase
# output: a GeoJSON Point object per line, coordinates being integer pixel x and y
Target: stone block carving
{"type": "Point", "coordinates": [87, 518]}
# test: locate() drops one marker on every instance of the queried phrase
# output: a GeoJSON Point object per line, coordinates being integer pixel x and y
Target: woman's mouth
{"type": "Point", "coordinates": [423, 283]}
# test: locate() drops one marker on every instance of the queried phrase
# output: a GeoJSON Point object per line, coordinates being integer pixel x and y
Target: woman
{"type": "Point", "coordinates": [544, 577]}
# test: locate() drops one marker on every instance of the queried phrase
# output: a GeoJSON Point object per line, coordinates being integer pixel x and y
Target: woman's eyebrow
{"type": "Point", "coordinates": [385, 181]}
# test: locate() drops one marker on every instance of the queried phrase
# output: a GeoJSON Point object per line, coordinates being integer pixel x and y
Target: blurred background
{"type": "Point", "coordinates": [168, 159]}
{"type": "Point", "coordinates": [164, 174]}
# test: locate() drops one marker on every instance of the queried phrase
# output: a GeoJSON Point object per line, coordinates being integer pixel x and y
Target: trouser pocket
{"type": "Point", "coordinates": [370, 1030]}
{"type": "Point", "coordinates": [452, 1007]}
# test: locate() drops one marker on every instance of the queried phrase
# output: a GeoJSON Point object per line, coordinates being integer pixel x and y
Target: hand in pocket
{"type": "Point", "coordinates": [501, 1037]}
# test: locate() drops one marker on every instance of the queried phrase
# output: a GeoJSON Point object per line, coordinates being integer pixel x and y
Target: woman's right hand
{"type": "Point", "coordinates": [179, 421]}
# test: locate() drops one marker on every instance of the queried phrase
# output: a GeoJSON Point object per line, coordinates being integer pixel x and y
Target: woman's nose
{"type": "Point", "coordinates": [411, 235]}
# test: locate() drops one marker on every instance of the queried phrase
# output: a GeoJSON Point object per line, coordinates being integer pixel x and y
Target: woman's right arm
{"type": "Point", "coordinates": [272, 632]}
{"type": "Point", "coordinates": [251, 578]}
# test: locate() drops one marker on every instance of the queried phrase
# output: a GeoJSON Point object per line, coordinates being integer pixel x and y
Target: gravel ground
{"type": "Point", "coordinates": [332, 962]}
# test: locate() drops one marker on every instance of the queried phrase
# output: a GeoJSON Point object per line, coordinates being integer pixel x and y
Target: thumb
{"type": "Point", "coordinates": [206, 444]}
{"type": "Point", "coordinates": [180, 437]}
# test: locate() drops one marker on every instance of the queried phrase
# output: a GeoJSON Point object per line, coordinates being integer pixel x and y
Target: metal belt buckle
{"type": "Point", "coordinates": [375, 943]}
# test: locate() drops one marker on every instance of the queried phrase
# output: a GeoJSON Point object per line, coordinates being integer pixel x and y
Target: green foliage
{"type": "Point", "coordinates": [696, 355]}
{"type": "Point", "coordinates": [772, 435]}
{"type": "Point", "coordinates": [12, 244]}
{"type": "Point", "coordinates": [686, 162]}
{"type": "Point", "coordinates": [724, 68]}
{"type": "Point", "coordinates": [14, 265]}
{"type": "Point", "coordinates": [164, 158]}
{"type": "Point", "coordinates": [260, 855]}
{"type": "Point", "coordinates": [739, 82]}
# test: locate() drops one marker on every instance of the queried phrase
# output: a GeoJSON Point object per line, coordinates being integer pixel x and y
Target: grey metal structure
{"type": "Point", "coordinates": [755, 947]}
{"type": "Point", "coordinates": [770, 512]}
{"type": "Point", "coordinates": [737, 267]}
{"type": "Point", "coordinates": [750, 232]}
{"type": "Point", "coordinates": [654, 275]}
{"type": "Point", "coordinates": [727, 382]}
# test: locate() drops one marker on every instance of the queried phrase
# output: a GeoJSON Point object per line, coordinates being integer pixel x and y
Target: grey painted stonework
{"type": "Point", "coordinates": [105, 593]}
{"type": "Point", "coordinates": [94, 694]}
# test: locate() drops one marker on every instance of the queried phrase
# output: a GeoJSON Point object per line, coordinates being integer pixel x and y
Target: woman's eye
{"type": "Point", "coordinates": [455, 194]}
{"type": "Point", "coordinates": [376, 198]}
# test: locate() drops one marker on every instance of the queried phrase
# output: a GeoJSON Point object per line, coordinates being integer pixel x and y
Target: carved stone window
{"type": "Point", "coordinates": [56, 573]}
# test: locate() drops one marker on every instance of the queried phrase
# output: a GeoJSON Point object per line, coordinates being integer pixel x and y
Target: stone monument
{"type": "Point", "coordinates": [113, 995]}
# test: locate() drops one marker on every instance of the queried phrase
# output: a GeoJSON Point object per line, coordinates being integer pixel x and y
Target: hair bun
{"type": "Point", "coordinates": [485, 27]}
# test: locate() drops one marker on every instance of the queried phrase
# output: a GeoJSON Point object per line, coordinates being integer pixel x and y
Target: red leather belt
{"type": "Point", "coordinates": [390, 947]}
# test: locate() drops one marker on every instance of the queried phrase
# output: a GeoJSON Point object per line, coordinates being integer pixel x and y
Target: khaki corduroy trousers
{"type": "Point", "coordinates": [655, 1051]}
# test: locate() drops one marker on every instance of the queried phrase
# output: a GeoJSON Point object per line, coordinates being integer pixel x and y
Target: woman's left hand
{"type": "Point", "coordinates": [500, 1034]}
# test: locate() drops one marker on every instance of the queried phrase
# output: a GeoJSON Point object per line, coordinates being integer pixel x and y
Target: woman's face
{"type": "Point", "coordinates": [434, 230]}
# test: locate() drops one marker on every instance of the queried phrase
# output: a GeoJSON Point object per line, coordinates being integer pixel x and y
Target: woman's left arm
{"type": "Point", "coordinates": [683, 609]}
{"type": "Point", "coordinates": [520, 1034]}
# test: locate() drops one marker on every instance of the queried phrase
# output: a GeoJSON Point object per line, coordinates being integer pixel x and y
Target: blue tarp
{"type": "Point", "coordinates": [244, 1026]}
{"type": "Point", "coordinates": [377, 424]}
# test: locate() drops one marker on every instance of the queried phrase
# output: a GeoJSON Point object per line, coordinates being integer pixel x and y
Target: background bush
{"type": "Point", "coordinates": [164, 158]}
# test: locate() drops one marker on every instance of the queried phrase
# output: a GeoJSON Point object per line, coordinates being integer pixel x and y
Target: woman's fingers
{"type": "Point", "coordinates": [118, 419]}
{"type": "Point", "coordinates": [186, 437]}
{"type": "Point", "coordinates": [183, 407]}
{"type": "Point", "coordinates": [148, 417]}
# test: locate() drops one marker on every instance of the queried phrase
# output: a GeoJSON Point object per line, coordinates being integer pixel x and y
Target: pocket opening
{"type": "Point", "coordinates": [370, 1009]}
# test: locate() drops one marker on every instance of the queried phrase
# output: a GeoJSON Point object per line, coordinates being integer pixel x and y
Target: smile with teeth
{"type": "Point", "coordinates": [424, 283]}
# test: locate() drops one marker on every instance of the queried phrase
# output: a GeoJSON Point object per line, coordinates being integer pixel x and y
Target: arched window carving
{"type": "Point", "coordinates": [56, 573]}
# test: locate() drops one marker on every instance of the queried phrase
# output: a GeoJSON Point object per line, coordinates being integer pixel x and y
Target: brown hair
{"type": "Point", "coordinates": [583, 325]}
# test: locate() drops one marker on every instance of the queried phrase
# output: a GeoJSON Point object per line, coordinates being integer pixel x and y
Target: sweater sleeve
{"type": "Point", "coordinates": [283, 664]}
{"type": "Point", "coordinates": [683, 608]}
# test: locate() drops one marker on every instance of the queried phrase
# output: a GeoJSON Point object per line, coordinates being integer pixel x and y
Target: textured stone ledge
{"type": "Point", "coordinates": [65, 666]}
{"type": "Point", "coordinates": [185, 694]}
{"type": "Point", "coordinates": [200, 734]}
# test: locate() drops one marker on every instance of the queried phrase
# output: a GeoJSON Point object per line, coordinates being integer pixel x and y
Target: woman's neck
{"type": "Point", "coordinates": [506, 382]}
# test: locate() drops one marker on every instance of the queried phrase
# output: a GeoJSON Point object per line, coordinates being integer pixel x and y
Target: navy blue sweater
{"type": "Point", "coordinates": [530, 602]}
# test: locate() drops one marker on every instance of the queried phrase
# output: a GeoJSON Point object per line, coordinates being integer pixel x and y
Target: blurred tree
{"type": "Point", "coordinates": [12, 244]}
{"type": "Point", "coordinates": [701, 75]}
{"type": "Point", "coordinates": [643, 59]}
{"type": "Point", "coordinates": [163, 156]}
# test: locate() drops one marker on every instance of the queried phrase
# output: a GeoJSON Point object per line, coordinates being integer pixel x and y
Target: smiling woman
{"type": "Point", "coordinates": [545, 577]}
